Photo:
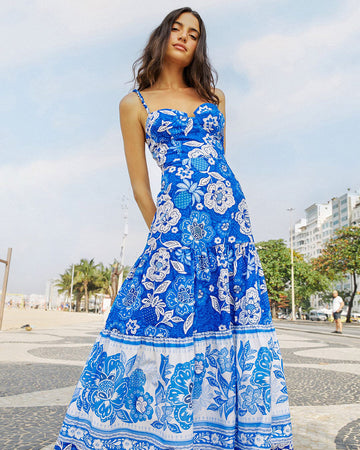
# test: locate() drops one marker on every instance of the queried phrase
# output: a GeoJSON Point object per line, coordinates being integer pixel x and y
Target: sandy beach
{"type": "Point", "coordinates": [39, 319]}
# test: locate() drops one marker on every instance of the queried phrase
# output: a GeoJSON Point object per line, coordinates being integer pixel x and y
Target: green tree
{"type": "Point", "coordinates": [275, 259]}
{"type": "Point", "coordinates": [64, 286]}
{"type": "Point", "coordinates": [341, 256]}
{"type": "Point", "coordinates": [109, 278]}
{"type": "Point", "coordinates": [89, 279]}
{"type": "Point", "coordinates": [88, 275]}
{"type": "Point", "coordinates": [64, 283]}
{"type": "Point", "coordinates": [104, 274]}
{"type": "Point", "coordinates": [308, 281]}
{"type": "Point", "coordinates": [276, 263]}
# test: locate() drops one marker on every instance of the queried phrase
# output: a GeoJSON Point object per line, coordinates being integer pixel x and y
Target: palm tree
{"type": "Point", "coordinates": [87, 274]}
{"type": "Point", "coordinates": [64, 286]}
{"type": "Point", "coordinates": [104, 278]}
{"type": "Point", "coordinates": [64, 282]}
{"type": "Point", "coordinates": [114, 272]}
{"type": "Point", "coordinates": [91, 278]}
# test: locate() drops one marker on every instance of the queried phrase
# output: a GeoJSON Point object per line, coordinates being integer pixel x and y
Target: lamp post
{"type": "Point", "coordinates": [72, 285]}
{"type": "Point", "coordinates": [293, 317]}
{"type": "Point", "coordinates": [6, 277]}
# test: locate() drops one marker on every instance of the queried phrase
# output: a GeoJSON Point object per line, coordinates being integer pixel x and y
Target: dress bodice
{"type": "Point", "coordinates": [174, 136]}
{"type": "Point", "coordinates": [197, 184]}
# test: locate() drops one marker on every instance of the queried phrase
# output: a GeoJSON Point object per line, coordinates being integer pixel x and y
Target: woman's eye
{"type": "Point", "coordinates": [194, 37]}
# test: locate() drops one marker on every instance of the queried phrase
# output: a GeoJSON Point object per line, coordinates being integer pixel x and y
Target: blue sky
{"type": "Point", "coordinates": [290, 72]}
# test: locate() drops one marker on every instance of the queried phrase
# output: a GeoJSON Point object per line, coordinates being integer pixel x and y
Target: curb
{"type": "Point", "coordinates": [314, 331]}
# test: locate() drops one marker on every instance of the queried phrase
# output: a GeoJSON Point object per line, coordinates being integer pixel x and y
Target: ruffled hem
{"type": "Point", "coordinates": [123, 444]}
{"type": "Point", "coordinates": [217, 392]}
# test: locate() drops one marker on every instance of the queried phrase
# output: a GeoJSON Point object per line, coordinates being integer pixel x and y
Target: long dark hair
{"type": "Point", "coordinates": [199, 74]}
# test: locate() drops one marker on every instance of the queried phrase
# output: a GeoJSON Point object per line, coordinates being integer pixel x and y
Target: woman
{"type": "Point", "coordinates": [188, 357]}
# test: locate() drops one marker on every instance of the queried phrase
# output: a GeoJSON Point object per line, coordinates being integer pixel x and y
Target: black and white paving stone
{"type": "Point", "coordinates": [39, 370]}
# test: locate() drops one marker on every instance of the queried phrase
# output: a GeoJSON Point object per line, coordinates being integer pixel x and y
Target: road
{"type": "Point", "coordinates": [39, 369]}
{"type": "Point", "coordinates": [349, 329]}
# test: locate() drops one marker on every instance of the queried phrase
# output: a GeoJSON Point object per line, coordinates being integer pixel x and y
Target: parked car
{"type": "Point", "coordinates": [355, 317]}
{"type": "Point", "coordinates": [316, 315]}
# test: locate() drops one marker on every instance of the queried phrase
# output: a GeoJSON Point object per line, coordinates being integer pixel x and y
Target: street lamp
{"type": "Point", "coordinates": [293, 317]}
{"type": "Point", "coordinates": [72, 285]}
{"type": "Point", "coordinates": [6, 277]}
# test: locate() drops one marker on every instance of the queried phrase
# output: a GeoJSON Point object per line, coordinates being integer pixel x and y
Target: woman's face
{"type": "Point", "coordinates": [184, 37]}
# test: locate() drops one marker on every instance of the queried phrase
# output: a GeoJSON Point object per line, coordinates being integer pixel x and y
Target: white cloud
{"type": "Point", "coordinates": [56, 174]}
{"type": "Point", "coordinates": [58, 211]}
{"type": "Point", "coordinates": [303, 77]}
{"type": "Point", "coordinates": [34, 30]}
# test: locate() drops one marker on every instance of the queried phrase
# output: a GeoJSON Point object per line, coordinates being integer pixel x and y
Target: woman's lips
{"type": "Point", "coordinates": [180, 47]}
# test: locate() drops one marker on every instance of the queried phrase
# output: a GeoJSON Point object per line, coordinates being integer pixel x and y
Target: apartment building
{"type": "Point", "coordinates": [342, 210]}
{"type": "Point", "coordinates": [321, 220]}
{"type": "Point", "coordinates": [311, 232]}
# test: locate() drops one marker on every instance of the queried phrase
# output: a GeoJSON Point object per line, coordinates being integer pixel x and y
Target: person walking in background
{"type": "Point", "coordinates": [338, 304]}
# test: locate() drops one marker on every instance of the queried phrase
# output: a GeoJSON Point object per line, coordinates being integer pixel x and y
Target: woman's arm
{"type": "Point", "coordinates": [221, 106]}
{"type": "Point", "coordinates": [134, 147]}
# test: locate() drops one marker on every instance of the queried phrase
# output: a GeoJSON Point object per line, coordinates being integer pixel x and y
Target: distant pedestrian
{"type": "Point", "coordinates": [338, 304]}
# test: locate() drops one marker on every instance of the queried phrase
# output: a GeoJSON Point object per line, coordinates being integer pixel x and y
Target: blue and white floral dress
{"type": "Point", "coordinates": [188, 358]}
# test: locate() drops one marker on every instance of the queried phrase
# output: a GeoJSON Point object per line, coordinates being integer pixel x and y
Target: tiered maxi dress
{"type": "Point", "coordinates": [188, 358]}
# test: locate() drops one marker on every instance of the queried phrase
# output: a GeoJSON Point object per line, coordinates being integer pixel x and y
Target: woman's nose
{"type": "Point", "coordinates": [183, 35]}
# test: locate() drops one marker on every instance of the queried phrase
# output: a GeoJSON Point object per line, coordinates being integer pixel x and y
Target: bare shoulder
{"type": "Point", "coordinates": [221, 104]}
{"type": "Point", "coordinates": [130, 102]}
{"type": "Point", "coordinates": [220, 94]}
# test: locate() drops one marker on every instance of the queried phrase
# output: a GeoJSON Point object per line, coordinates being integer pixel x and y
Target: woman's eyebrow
{"type": "Point", "coordinates": [192, 29]}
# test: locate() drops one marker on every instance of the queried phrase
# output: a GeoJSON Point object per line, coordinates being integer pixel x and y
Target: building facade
{"type": "Point", "coordinates": [311, 233]}
{"type": "Point", "coordinates": [321, 220]}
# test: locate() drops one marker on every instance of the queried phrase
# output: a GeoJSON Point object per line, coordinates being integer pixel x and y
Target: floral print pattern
{"type": "Point", "coordinates": [188, 357]}
{"type": "Point", "coordinates": [159, 265]}
{"type": "Point", "coordinates": [119, 392]}
{"type": "Point", "coordinates": [219, 197]}
{"type": "Point", "coordinates": [167, 217]}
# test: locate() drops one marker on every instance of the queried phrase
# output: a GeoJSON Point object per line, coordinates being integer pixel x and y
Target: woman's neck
{"type": "Point", "coordinates": [171, 78]}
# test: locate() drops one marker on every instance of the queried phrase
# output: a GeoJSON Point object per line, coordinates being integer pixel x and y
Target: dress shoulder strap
{"type": "Point", "coordinates": [142, 100]}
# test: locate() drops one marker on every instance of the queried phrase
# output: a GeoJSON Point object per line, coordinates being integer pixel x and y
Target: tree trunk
{"type": "Point", "coordinates": [78, 302]}
{"type": "Point", "coordinates": [273, 309]}
{"type": "Point", "coordinates": [86, 298]}
{"type": "Point", "coordinates": [114, 283]}
{"type": "Point", "coordinates": [348, 316]}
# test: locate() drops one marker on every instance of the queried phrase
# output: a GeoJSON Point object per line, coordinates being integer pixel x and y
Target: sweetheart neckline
{"type": "Point", "coordinates": [183, 112]}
